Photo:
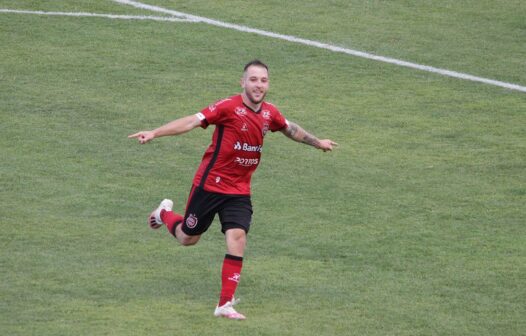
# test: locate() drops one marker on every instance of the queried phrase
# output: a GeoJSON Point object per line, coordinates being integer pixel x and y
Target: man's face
{"type": "Point", "coordinates": [255, 83]}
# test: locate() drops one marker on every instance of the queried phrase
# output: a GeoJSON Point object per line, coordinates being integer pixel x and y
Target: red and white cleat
{"type": "Point", "coordinates": [227, 310]}
{"type": "Point", "coordinates": [154, 220]}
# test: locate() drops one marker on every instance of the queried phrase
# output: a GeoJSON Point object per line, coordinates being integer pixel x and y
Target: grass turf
{"type": "Point", "coordinates": [415, 225]}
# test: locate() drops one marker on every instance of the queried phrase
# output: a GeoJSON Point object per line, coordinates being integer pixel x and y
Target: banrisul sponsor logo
{"type": "Point", "coordinates": [245, 147]}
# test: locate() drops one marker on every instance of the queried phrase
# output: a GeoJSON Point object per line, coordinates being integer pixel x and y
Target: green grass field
{"type": "Point", "coordinates": [414, 226]}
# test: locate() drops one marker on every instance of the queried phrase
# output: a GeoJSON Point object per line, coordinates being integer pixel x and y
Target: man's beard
{"type": "Point", "coordinates": [253, 101]}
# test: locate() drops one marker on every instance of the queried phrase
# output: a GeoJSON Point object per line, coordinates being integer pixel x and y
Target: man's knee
{"type": "Point", "coordinates": [186, 240]}
{"type": "Point", "coordinates": [240, 239]}
{"type": "Point", "coordinates": [236, 240]}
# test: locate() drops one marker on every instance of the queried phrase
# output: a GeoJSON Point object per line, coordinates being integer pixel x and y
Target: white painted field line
{"type": "Point", "coordinates": [109, 16]}
{"type": "Point", "coordinates": [443, 72]}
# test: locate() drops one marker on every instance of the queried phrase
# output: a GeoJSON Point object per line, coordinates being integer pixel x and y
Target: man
{"type": "Point", "coordinates": [222, 182]}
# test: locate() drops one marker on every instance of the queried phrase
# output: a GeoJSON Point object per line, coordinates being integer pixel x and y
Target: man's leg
{"type": "Point", "coordinates": [236, 241]}
{"type": "Point", "coordinates": [200, 212]}
{"type": "Point", "coordinates": [232, 264]}
{"type": "Point", "coordinates": [163, 214]}
{"type": "Point", "coordinates": [231, 273]}
{"type": "Point", "coordinates": [173, 222]}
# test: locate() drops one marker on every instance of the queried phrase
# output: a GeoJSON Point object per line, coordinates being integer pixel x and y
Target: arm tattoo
{"type": "Point", "coordinates": [310, 139]}
{"type": "Point", "coordinates": [296, 133]}
{"type": "Point", "coordinates": [291, 130]}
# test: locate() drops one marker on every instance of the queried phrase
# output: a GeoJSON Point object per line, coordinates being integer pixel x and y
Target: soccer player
{"type": "Point", "coordinates": [222, 182]}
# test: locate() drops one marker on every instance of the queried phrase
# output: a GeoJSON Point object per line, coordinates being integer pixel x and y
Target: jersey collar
{"type": "Point", "coordinates": [250, 108]}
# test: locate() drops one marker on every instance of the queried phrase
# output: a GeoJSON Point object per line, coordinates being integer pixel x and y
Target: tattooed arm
{"type": "Point", "coordinates": [296, 133]}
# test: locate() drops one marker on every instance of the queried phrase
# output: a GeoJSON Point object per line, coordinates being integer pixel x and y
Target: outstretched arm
{"type": "Point", "coordinates": [176, 127]}
{"type": "Point", "coordinates": [296, 133]}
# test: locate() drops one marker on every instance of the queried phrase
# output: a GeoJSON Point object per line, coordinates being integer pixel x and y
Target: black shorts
{"type": "Point", "coordinates": [235, 211]}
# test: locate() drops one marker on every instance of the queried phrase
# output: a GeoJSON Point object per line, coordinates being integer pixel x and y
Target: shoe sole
{"type": "Point", "coordinates": [152, 222]}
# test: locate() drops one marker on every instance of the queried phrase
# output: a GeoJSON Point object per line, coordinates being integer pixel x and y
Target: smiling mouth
{"type": "Point", "coordinates": [256, 97]}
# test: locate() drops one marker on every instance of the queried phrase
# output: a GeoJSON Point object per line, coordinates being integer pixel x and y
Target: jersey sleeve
{"type": "Point", "coordinates": [213, 114]}
{"type": "Point", "coordinates": [278, 121]}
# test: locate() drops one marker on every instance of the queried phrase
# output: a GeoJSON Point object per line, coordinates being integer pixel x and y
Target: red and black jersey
{"type": "Point", "coordinates": [235, 152]}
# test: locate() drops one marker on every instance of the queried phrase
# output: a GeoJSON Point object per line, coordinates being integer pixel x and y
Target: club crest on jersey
{"type": "Point", "coordinates": [191, 221]}
{"type": "Point", "coordinates": [266, 114]}
{"type": "Point", "coordinates": [241, 111]}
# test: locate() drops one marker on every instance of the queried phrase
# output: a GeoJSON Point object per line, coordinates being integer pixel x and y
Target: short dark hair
{"type": "Point", "coordinates": [255, 62]}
